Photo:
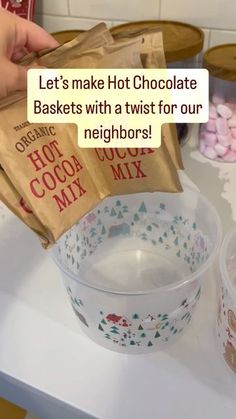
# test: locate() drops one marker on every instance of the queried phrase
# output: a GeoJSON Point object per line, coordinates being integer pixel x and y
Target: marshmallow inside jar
{"type": "Point", "coordinates": [217, 137]}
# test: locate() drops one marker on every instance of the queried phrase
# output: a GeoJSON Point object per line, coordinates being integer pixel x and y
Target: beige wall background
{"type": "Point", "coordinates": [216, 17]}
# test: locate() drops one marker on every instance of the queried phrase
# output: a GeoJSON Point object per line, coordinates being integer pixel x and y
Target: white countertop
{"type": "Point", "coordinates": [50, 367]}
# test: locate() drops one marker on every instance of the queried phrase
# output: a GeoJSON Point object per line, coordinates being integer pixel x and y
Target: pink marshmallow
{"type": "Point", "coordinates": [232, 100]}
{"type": "Point", "coordinates": [233, 146]}
{"type": "Point", "coordinates": [203, 128]}
{"type": "Point", "coordinates": [202, 146]}
{"type": "Point", "coordinates": [210, 138]}
{"type": "Point", "coordinates": [210, 153]}
{"type": "Point", "coordinates": [212, 111]}
{"type": "Point", "coordinates": [222, 126]}
{"type": "Point", "coordinates": [230, 156]}
{"type": "Point", "coordinates": [218, 99]}
{"type": "Point", "coordinates": [231, 106]}
{"type": "Point", "coordinates": [232, 122]}
{"type": "Point", "coordinates": [202, 137]}
{"type": "Point", "coordinates": [220, 149]}
{"type": "Point", "coordinates": [211, 125]}
{"type": "Point", "coordinates": [233, 132]}
{"type": "Point", "coordinates": [225, 140]}
{"type": "Point", "coordinates": [217, 137]}
{"type": "Point", "coordinates": [224, 111]}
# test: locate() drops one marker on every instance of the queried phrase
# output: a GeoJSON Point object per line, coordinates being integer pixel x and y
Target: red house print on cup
{"type": "Point", "coordinates": [120, 320]}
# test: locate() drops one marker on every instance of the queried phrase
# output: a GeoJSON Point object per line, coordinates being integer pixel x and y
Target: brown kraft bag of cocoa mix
{"type": "Point", "coordinates": [152, 56]}
{"type": "Point", "coordinates": [61, 182]}
{"type": "Point", "coordinates": [99, 35]}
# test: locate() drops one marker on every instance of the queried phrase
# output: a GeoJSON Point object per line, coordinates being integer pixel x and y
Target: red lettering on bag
{"type": "Point", "coordinates": [24, 206]}
{"type": "Point", "coordinates": [33, 188]}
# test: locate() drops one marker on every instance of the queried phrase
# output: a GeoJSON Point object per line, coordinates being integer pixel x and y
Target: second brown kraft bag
{"type": "Point", "coordinates": [14, 201]}
{"type": "Point", "coordinates": [59, 182]}
{"type": "Point", "coordinates": [152, 56]}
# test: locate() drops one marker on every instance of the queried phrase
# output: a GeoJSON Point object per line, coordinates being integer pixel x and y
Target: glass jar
{"type": "Point", "coordinates": [183, 45]}
{"type": "Point", "coordinates": [217, 137]}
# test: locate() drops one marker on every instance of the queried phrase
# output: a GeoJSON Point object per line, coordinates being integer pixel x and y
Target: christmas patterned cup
{"type": "Point", "coordinates": [133, 267]}
{"type": "Point", "coordinates": [226, 319]}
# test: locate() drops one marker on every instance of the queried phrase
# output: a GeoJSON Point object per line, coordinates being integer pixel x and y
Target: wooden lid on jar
{"type": "Point", "coordinates": [65, 36]}
{"type": "Point", "coordinates": [181, 40]}
{"type": "Point", "coordinates": [221, 61]}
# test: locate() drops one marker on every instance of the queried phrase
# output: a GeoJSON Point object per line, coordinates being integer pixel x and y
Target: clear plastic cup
{"type": "Point", "coordinates": [226, 318]}
{"type": "Point", "coordinates": [133, 267]}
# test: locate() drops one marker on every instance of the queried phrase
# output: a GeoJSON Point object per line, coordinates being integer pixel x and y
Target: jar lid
{"type": "Point", "coordinates": [180, 40]}
{"type": "Point", "coordinates": [65, 36]}
{"type": "Point", "coordinates": [221, 61]}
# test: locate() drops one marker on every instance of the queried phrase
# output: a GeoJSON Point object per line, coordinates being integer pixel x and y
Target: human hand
{"type": "Point", "coordinates": [18, 37]}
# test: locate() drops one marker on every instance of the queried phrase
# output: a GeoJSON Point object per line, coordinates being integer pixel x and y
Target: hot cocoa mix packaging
{"type": "Point", "coordinates": [97, 36]}
{"type": "Point", "coordinates": [46, 179]}
{"type": "Point", "coordinates": [152, 56]}
{"type": "Point", "coordinates": [11, 198]}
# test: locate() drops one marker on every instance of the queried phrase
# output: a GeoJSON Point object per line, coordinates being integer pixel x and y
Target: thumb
{"type": "Point", "coordinates": [13, 77]}
{"type": "Point", "coordinates": [16, 78]}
